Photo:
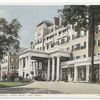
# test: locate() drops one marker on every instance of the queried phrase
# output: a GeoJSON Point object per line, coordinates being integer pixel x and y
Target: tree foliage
{"type": "Point", "coordinates": [9, 34]}
{"type": "Point", "coordinates": [79, 16]}
{"type": "Point", "coordinates": [83, 18]}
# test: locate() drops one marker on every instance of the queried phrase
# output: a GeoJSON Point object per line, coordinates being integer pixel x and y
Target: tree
{"type": "Point", "coordinates": [83, 18]}
{"type": "Point", "coordinates": [9, 35]}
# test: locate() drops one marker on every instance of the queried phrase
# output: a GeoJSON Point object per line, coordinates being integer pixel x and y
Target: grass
{"type": "Point", "coordinates": [12, 84]}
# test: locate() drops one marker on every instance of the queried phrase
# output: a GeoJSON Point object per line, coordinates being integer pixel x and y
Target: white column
{"type": "Point", "coordinates": [61, 75]}
{"type": "Point", "coordinates": [48, 68]}
{"type": "Point", "coordinates": [58, 68]}
{"type": "Point", "coordinates": [20, 67]}
{"type": "Point", "coordinates": [75, 73]}
{"type": "Point", "coordinates": [37, 67]}
{"type": "Point", "coordinates": [22, 62]}
{"type": "Point", "coordinates": [28, 65]}
{"type": "Point", "coordinates": [53, 68]}
{"type": "Point", "coordinates": [25, 68]}
{"type": "Point", "coordinates": [87, 73]}
{"type": "Point", "coordinates": [34, 68]}
{"type": "Point", "coordinates": [99, 71]}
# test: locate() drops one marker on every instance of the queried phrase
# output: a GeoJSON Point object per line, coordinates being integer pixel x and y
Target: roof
{"type": "Point", "coordinates": [45, 21]}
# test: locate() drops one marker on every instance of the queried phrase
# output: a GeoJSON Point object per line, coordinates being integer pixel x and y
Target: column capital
{"type": "Point", "coordinates": [58, 56]}
{"type": "Point", "coordinates": [54, 57]}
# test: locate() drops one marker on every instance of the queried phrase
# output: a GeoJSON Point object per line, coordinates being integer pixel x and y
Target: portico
{"type": "Point", "coordinates": [30, 60]}
{"type": "Point", "coordinates": [48, 65]}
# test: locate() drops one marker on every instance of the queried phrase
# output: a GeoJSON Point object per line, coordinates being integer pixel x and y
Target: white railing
{"type": "Point", "coordinates": [84, 60]}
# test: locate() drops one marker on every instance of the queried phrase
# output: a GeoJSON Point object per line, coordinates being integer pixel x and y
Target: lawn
{"type": "Point", "coordinates": [12, 84]}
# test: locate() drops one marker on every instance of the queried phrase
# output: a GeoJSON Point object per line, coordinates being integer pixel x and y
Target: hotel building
{"type": "Point", "coordinates": [9, 64]}
{"type": "Point", "coordinates": [60, 54]}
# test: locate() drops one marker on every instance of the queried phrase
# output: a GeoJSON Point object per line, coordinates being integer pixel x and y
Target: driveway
{"type": "Point", "coordinates": [67, 88]}
{"type": "Point", "coordinates": [53, 88]}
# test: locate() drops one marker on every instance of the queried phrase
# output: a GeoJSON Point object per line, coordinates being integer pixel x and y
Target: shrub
{"type": "Point", "coordinates": [26, 80]}
{"type": "Point", "coordinates": [12, 76]}
{"type": "Point", "coordinates": [4, 77]}
{"type": "Point", "coordinates": [20, 78]}
{"type": "Point", "coordinates": [32, 73]}
{"type": "Point", "coordinates": [27, 75]}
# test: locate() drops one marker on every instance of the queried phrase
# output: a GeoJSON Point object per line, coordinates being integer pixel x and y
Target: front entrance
{"type": "Point", "coordinates": [68, 74]}
{"type": "Point", "coordinates": [81, 73]}
{"type": "Point", "coordinates": [96, 70]}
{"type": "Point", "coordinates": [71, 74]}
{"type": "Point", "coordinates": [65, 74]}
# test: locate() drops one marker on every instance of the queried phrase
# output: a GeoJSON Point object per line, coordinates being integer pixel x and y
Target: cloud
{"type": "Point", "coordinates": [4, 13]}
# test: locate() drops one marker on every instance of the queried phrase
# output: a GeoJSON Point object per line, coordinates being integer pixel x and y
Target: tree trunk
{"type": "Point", "coordinates": [91, 43]}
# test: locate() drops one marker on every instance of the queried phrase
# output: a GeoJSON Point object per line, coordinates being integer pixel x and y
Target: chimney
{"type": "Point", "coordinates": [56, 21]}
{"type": "Point", "coordinates": [31, 45]}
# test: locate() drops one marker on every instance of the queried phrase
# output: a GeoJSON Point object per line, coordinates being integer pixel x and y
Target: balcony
{"type": "Point", "coordinates": [81, 61]}
{"type": "Point", "coordinates": [78, 36]}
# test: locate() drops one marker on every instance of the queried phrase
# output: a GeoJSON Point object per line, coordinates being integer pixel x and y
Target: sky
{"type": "Point", "coordinates": [29, 16]}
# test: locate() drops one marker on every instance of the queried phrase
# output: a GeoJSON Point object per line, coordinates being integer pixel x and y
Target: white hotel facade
{"type": "Point", "coordinates": [59, 54]}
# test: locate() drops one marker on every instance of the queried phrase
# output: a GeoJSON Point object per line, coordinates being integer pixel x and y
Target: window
{"type": "Point", "coordinates": [12, 59]}
{"type": "Point", "coordinates": [40, 48]}
{"type": "Point", "coordinates": [67, 49]}
{"type": "Point", "coordinates": [72, 47]}
{"type": "Point", "coordinates": [59, 32]}
{"type": "Point", "coordinates": [51, 30]}
{"type": "Point", "coordinates": [47, 38]}
{"type": "Point", "coordinates": [58, 43]}
{"type": "Point", "coordinates": [55, 34]}
{"type": "Point", "coordinates": [68, 38]}
{"type": "Point", "coordinates": [84, 56]}
{"type": "Point", "coordinates": [73, 36]}
{"type": "Point", "coordinates": [24, 63]}
{"type": "Point", "coordinates": [43, 47]}
{"type": "Point", "coordinates": [98, 54]}
{"type": "Point", "coordinates": [99, 42]}
{"type": "Point", "coordinates": [6, 61]}
{"type": "Point", "coordinates": [11, 67]}
{"type": "Point", "coordinates": [78, 34]}
{"type": "Point", "coordinates": [77, 57]}
{"type": "Point", "coordinates": [62, 41]}
{"type": "Point", "coordinates": [84, 44]}
{"type": "Point", "coordinates": [47, 46]}
{"type": "Point", "coordinates": [78, 46]}
{"type": "Point", "coordinates": [52, 45]}
{"type": "Point", "coordinates": [64, 30]}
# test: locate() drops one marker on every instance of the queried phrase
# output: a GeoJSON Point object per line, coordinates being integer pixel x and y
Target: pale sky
{"type": "Point", "coordinates": [29, 17]}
